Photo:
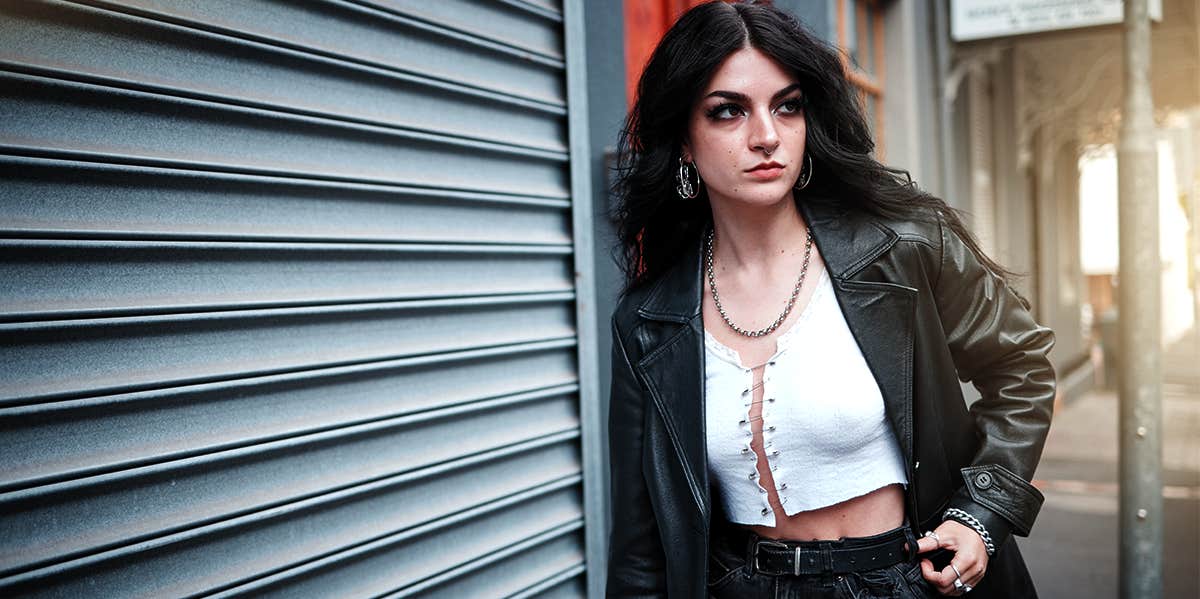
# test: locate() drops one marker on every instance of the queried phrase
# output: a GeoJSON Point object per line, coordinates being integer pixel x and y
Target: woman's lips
{"type": "Point", "coordinates": [766, 174]}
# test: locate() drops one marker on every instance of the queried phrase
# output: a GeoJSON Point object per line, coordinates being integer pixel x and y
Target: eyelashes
{"type": "Point", "coordinates": [729, 110]}
{"type": "Point", "coordinates": [796, 104]}
{"type": "Point", "coordinates": [724, 112]}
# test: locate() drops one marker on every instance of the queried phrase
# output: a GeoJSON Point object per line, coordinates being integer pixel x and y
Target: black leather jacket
{"type": "Point", "coordinates": [925, 313]}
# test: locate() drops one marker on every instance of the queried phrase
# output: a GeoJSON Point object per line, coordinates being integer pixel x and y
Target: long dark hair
{"type": "Point", "coordinates": [654, 226]}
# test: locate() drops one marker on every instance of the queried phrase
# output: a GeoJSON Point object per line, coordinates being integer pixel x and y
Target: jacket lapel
{"type": "Point", "coordinates": [879, 312]}
{"type": "Point", "coordinates": [674, 371]}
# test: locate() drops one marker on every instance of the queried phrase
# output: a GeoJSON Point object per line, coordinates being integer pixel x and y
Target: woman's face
{"type": "Point", "coordinates": [746, 133]}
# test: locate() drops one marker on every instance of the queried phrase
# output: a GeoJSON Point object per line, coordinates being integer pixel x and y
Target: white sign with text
{"type": "Point", "coordinates": [982, 19]}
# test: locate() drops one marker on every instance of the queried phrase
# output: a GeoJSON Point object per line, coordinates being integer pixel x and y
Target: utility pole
{"type": "Point", "coordinates": [1141, 511]}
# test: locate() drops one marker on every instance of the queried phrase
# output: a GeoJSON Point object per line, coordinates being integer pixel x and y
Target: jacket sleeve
{"type": "Point", "coordinates": [636, 563]}
{"type": "Point", "coordinates": [997, 346]}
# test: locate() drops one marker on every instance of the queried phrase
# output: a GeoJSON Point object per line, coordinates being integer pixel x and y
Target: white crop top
{"type": "Point", "coordinates": [826, 434]}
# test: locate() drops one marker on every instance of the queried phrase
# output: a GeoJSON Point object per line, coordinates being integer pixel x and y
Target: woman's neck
{"type": "Point", "coordinates": [755, 236]}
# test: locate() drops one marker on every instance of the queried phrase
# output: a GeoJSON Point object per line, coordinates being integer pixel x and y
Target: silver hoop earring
{"type": "Point", "coordinates": [684, 184]}
{"type": "Point", "coordinates": [805, 173]}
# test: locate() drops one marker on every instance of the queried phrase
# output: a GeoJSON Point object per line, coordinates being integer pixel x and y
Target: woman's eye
{"type": "Point", "coordinates": [725, 111]}
{"type": "Point", "coordinates": [790, 107]}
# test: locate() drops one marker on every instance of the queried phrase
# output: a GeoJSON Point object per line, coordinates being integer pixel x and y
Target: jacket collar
{"type": "Point", "coordinates": [848, 241]}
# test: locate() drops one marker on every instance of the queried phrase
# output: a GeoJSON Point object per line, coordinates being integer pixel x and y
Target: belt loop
{"type": "Point", "coordinates": [827, 556]}
{"type": "Point", "coordinates": [752, 550]}
{"type": "Point", "coordinates": [911, 539]}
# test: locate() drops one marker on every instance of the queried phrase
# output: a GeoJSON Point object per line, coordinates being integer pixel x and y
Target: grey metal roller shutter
{"type": "Point", "coordinates": [287, 300]}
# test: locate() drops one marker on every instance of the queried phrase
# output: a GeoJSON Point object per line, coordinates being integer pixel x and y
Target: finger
{"type": "Point", "coordinates": [975, 583]}
{"type": "Point", "coordinates": [926, 544]}
{"type": "Point", "coordinates": [949, 536]}
{"type": "Point", "coordinates": [929, 573]}
{"type": "Point", "coordinates": [971, 565]}
{"type": "Point", "coordinates": [948, 577]}
{"type": "Point", "coordinates": [970, 570]}
{"type": "Point", "coordinates": [977, 578]}
{"type": "Point", "coordinates": [933, 577]}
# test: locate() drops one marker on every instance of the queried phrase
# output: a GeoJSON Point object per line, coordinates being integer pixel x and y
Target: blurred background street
{"type": "Point", "coordinates": [1073, 549]}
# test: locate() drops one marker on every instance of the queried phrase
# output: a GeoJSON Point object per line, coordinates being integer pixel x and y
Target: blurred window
{"type": "Point", "coordinates": [860, 35]}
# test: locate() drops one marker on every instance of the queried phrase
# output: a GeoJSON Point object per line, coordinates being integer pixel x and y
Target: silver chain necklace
{"type": "Point", "coordinates": [712, 285]}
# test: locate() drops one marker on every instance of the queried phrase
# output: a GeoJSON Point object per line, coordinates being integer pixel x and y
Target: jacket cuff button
{"type": "Point", "coordinates": [983, 480]}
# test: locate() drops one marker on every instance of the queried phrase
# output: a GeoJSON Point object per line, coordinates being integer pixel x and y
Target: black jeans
{"type": "Point", "coordinates": [731, 574]}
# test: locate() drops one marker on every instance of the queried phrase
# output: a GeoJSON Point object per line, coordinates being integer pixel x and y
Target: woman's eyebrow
{"type": "Point", "coordinates": [740, 97]}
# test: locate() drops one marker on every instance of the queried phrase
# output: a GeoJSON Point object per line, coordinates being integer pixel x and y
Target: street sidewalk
{"type": "Point", "coordinates": [1181, 361]}
{"type": "Point", "coordinates": [1073, 551]}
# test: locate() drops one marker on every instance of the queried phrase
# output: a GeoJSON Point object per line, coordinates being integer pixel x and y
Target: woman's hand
{"type": "Point", "coordinates": [970, 557]}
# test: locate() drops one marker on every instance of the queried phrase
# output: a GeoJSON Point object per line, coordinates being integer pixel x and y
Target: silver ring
{"type": "Point", "coordinates": [930, 533]}
{"type": "Point", "coordinates": [959, 585]}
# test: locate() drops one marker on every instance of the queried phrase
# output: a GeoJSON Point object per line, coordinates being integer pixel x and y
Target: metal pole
{"type": "Point", "coordinates": [1141, 511]}
{"type": "Point", "coordinates": [945, 101]}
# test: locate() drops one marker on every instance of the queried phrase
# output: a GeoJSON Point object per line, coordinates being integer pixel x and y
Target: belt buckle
{"type": "Point", "coordinates": [767, 542]}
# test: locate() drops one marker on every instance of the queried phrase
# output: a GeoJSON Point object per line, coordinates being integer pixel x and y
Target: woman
{"type": "Point", "coordinates": [786, 414]}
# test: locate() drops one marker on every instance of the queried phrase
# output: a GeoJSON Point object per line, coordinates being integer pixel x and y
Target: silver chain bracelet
{"type": "Point", "coordinates": [964, 518]}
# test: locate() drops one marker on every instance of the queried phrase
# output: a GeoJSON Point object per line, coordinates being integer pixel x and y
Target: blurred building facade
{"type": "Point", "coordinates": [313, 299]}
{"type": "Point", "coordinates": [1030, 113]}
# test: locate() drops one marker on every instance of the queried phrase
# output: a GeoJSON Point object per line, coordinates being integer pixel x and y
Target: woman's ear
{"type": "Point", "coordinates": [685, 152]}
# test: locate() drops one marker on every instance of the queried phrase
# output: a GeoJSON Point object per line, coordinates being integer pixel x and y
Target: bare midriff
{"type": "Point", "coordinates": [879, 511]}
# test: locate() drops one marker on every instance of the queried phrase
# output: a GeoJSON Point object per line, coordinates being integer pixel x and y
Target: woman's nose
{"type": "Point", "coordinates": [763, 135]}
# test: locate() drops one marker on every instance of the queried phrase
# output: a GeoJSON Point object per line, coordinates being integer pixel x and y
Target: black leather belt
{"type": "Point", "coordinates": [778, 558]}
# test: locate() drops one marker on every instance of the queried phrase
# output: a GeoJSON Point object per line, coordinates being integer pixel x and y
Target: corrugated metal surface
{"type": "Point", "coordinates": [288, 300]}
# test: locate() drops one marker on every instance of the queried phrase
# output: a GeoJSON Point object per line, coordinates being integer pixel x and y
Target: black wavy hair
{"type": "Point", "coordinates": [654, 226]}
